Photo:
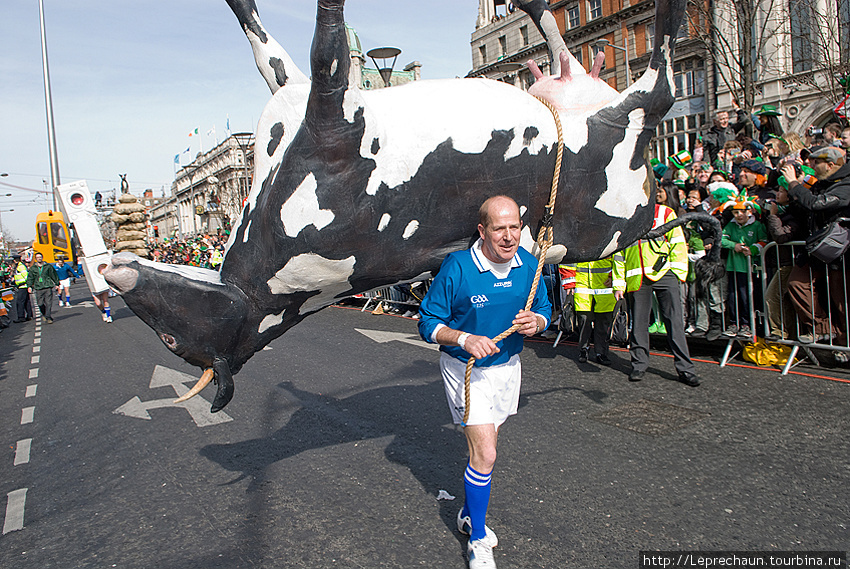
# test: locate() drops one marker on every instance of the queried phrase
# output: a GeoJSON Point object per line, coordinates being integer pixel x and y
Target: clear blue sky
{"type": "Point", "coordinates": [130, 81]}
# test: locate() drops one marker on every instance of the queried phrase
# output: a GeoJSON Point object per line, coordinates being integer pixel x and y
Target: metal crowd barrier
{"type": "Point", "coordinates": [393, 296]}
{"type": "Point", "coordinates": [790, 324]}
{"type": "Point", "coordinates": [754, 313]}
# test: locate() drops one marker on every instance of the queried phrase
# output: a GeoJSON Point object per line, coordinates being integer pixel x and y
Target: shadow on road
{"type": "Point", "coordinates": [414, 415]}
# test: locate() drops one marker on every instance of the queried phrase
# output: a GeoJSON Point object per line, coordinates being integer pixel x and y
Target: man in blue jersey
{"type": "Point", "coordinates": [478, 294]}
{"type": "Point", "coordinates": [65, 272]}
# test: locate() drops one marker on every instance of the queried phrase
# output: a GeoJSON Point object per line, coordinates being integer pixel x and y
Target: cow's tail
{"type": "Point", "coordinates": [274, 63]}
{"type": "Point", "coordinates": [709, 268]}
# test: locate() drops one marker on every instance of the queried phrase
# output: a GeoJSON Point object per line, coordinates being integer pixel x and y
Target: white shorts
{"type": "Point", "coordinates": [493, 390]}
{"type": "Point", "coordinates": [65, 283]}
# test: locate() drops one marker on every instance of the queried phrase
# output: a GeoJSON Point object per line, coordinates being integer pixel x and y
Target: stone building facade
{"type": "Point", "coordinates": [506, 38]}
{"type": "Point", "coordinates": [806, 47]}
{"type": "Point", "coordinates": [208, 193]}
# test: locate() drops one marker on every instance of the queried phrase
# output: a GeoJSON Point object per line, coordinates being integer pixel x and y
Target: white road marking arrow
{"type": "Point", "coordinates": [382, 337]}
{"type": "Point", "coordinates": [198, 407]}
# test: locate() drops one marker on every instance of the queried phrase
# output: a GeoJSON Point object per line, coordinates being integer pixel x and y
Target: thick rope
{"type": "Point", "coordinates": [544, 241]}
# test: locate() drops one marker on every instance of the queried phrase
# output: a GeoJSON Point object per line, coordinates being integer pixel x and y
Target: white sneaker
{"type": "Point", "coordinates": [480, 555]}
{"type": "Point", "coordinates": [464, 526]}
{"type": "Point", "coordinates": [108, 319]}
{"type": "Point", "coordinates": [61, 303]}
{"type": "Point", "coordinates": [103, 315]}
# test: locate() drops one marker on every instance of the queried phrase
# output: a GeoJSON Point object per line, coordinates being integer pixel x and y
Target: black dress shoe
{"type": "Point", "coordinates": [636, 375]}
{"type": "Point", "coordinates": [603, 360]}
{"type": "Point", "coordinates": [582, 357]}
{"type": "Point", "coordinates": [689, 378]}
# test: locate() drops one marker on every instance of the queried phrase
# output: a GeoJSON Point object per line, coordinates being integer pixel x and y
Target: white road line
{"type": "Point", "coordinates": [27, 414]}
{"type": "Point", "coordinates": [31, 389]}
{"type": "Point", "coordinates": [35, 359]}
{"type": "Point", "coordinates": [36, 341]}
{"type": "Point", "coordinates": [36, 349]}
{"type": "Point", "coordinates": [33, 373]}
{"type": "Point", "coordinates": [15, 503]}
{"type": "Point", "coordinates": [22, 452]}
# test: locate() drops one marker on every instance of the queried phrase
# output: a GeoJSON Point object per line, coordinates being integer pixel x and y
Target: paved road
{"type": "Point", "coordinates": [336, 446]}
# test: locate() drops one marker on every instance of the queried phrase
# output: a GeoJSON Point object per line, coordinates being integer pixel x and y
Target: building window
{"type": "Point", "coordinates": [689, 83]}
{"type": "Point", "coordinates": [482, 51]}
{"type": "Point", "coordinates": [523, 32]}
{"type": "Point", "coordinates": [573, 19]}
{"type": "Point", "coordinates": [594, 9]}
{"type": "Point", "coordinates": [578, 55]}
{"type": "Point", "coordinates": [594, 49]}
{"type": "Point", "coordinates": [684, 31]}
{"type": "Point", "coordinates": [650, 37]}
{"type": "Point", "coordinates": [503, 46]}
{"type": "Point", "coordinates": [800, 18]}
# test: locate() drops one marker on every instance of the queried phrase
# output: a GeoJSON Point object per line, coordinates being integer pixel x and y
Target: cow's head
{"type": "Point", "coordinates": [195, 314]}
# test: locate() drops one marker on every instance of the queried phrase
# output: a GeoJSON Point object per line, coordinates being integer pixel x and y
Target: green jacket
{"type": "Point", "coordinates": [752, 234]}
{"type": "Point", "coordinates": [42, 277]}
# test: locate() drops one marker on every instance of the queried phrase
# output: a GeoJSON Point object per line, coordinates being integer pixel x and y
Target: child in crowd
{"type": "Point", "coordinates": [744, 237]}
{"type": "Point", "coordinates": [696, 313]}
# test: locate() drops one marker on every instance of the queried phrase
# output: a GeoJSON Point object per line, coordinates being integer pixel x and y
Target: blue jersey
{"type": "Point", "coordinates": [65, 271]}
{"type": "Point", "coordinates": [468, 297]}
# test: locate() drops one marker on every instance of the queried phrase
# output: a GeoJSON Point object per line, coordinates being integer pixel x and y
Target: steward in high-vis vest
{"type": "Point", "coordinates": [597, 287]}
{"type": "Point", "coordinates": [23, 305]}
{"type": "Point", "coordinates": [658, 266]}
{"type": "Point", "coordinates": [216, 259]}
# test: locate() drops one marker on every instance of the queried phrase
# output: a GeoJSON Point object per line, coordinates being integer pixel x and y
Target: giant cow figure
{"type": "Point", "coordinates": [356, 190]}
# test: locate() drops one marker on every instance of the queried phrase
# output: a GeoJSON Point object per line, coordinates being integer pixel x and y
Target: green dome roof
{"type": "Point", "coordinates": [353, 39]}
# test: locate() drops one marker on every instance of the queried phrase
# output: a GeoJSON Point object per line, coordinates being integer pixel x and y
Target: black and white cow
{"type": "Point", "coordinates": [357, 190]}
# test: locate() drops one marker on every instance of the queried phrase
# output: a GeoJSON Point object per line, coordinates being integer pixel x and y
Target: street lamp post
{"type": "Point", "coordinates": [192, 173]}
{"type": "Point", "coordinates": [601, 43]}
{"type": "Point", "coordinates": [384, 54]}
{"type": "Point", "coordinates": [48, 104]}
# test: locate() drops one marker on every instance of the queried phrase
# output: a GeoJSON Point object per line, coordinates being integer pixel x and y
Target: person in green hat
{"type": "Point", "coordinates": [766, 121]}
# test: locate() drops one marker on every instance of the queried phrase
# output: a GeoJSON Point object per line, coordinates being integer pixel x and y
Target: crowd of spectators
{"type": "Point", "coordinates": [765, 185]}
{"type": "Point", "coordinates": [205, 251]}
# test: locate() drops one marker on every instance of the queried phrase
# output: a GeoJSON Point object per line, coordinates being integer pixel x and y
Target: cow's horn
{"type": "Point", "coordinates": [206, 378]}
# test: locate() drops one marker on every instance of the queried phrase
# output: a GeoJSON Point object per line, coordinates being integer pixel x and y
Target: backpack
{"type": "Point", "coordinates": [567, 321]}
{"type": "Point", "coordinates": [620, 324]}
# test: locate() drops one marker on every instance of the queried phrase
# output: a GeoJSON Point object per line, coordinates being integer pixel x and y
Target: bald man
{"type": "Point", "coordinates": [478, 294]}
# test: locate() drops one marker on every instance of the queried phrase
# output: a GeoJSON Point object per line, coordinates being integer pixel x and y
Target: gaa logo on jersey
{"type": "Point", "coordinates": [478, 300]}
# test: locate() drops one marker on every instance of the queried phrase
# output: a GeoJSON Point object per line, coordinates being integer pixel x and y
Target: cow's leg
{"type": "Point", "coordinates": [275, 65]}
{"type": "Point", "coordinates": [543, 19]}
{"type": "Point", "coordinates": [329, 63]}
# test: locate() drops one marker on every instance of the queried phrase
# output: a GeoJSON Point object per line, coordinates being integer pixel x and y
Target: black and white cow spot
{"type": "Point", "coordinates": [276, 135]}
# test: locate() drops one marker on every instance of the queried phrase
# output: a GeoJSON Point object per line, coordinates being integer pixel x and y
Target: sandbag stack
{"type": "Point", "coordinates": [131, 230]}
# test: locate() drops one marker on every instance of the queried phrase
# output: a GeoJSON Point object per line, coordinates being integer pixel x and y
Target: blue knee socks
{"type": "Point", "coordinates": [477, 487]}
{"type": "Point", "coordinates": [106, 311]}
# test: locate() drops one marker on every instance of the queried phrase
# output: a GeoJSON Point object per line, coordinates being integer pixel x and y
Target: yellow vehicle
{"type": "Point", "coordinates": [53, 240]}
